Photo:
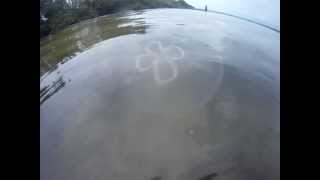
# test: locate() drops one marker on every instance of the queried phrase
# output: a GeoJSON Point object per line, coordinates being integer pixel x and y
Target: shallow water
{"type": "Point", "coordinates": [176, 94]}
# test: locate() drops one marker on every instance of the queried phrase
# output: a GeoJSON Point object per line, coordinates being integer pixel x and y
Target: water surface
{"type": "Point", "coordinates": [166, 93]}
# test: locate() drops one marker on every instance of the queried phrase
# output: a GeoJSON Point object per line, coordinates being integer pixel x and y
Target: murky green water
{"type": "Point", "coordinates": [167, 93]}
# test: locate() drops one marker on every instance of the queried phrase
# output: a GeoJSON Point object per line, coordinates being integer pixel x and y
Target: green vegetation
{"type": "Point", "coordinates": [57, 14]}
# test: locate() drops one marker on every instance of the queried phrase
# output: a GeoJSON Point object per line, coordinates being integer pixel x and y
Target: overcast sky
{"type": "Point", "coordinates": [263, 11]}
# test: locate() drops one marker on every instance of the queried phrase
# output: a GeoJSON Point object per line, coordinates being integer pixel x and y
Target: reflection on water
{"type": "Point", "coordinates": [195, 96]}
{"type": "Point", "coordinates": [66, 44]}
{"type": "Point", "coordinates": [49, 90]}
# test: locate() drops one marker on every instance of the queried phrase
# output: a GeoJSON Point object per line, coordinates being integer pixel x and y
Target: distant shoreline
{"type": "Point", "coordinates": [242, 18]}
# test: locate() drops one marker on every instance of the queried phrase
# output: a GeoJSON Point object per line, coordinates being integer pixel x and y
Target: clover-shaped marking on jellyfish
{"type": "Point", "coordinates": [155, 55]}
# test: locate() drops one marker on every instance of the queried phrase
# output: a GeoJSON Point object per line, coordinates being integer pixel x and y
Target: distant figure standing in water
{"type": "Point", "coordinates": [205, 9]}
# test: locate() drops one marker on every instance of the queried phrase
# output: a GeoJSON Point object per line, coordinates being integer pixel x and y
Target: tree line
{"type": "Point", "coordinates": [57, 14]}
